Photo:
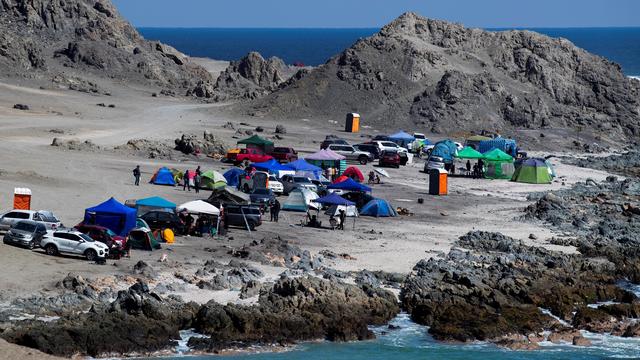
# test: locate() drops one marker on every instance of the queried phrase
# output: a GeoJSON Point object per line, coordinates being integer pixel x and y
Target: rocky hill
{"type": "Point", "coordinates": [59, 40]}
{"type": "Point", "coordinates": [443, 77]}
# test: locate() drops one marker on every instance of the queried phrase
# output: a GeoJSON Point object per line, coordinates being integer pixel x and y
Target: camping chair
{"type": "Point", "coordinates": [334, 222]}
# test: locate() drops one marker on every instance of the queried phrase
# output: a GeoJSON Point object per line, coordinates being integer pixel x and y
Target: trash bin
{"type": "Point", "coordinates": [438, 182]}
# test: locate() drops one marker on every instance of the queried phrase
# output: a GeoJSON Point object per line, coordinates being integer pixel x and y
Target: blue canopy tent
{"type": "Point", "coordinates": [445, 149]}
{"type": "Point", "coordinates": [378, 208]}
{"type": "Point", "coordinates": [233, 176]}
{"type": "Point", "coordinates": [113, 215]}
{"type": "Point", "coordinates": [349, 185]}
{"type": "Point", "coordinates": [273, 167]}
{"type": "Point", "coordinates": [152, 203]}
{"type": "Point", "coordinates": [163, 176]}
{"type": "Point", "coordinates": [334, 199]}
{"type": "Point", "coordinates": [303, 168]}
{"type": "Point", "coordinates": [402, 138]}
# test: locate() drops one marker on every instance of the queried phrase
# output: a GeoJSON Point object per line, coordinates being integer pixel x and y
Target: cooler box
{"type": "Point", "coordinates": [352, 124]}
{"type": "Point", "coordinates": [438, 182]}
{"type": "Point", "coordinates": [22, 199]}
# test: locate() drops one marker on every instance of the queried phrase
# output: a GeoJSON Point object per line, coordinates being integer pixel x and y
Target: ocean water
{"type": "Point", "coordinates": [412, 342]}
{"type": "Point", "coordinates": [316, 46]}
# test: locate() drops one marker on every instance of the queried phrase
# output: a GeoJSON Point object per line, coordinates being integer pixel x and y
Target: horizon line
{"type": "Point", "coordinates": [379, 27]}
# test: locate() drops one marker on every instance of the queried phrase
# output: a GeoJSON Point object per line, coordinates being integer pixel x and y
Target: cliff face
{"type": "Point", "coordinates": [432, 74]}
{"type": "Point", "coordinates": [43, 37]}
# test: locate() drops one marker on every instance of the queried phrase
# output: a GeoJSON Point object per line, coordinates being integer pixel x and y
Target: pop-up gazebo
{"type": "Point", "coordinates": [499, 165]}
{"type": "Point", "coordinates": [113, 215]}
{"type": "Point", "coordinates": [327, 158]}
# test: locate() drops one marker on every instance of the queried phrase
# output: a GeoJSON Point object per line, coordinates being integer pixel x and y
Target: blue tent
{"type": "Point", "coordinates": [152, 203]}
{"type": "Point", "coordinates": [402, 138]}
{"type": "Point", "coordinates": [334, 199]}
{"type": "Point", "coordinates": [446, 149]}
{"type": "Point", "coordinates": [272, 166]}
{"type": "Point", "coordinates": [113, 215]}
{"type": "Point", "coordinates": [303, 168]}
{"type": "Point", "coordinates": [163, 176]}
{"type": "Point", "coordinates": [349, 185]}
{"type": "Point", "coordinates": [378, 208]}
{"type": "Point", "coordinates": [233, 176]}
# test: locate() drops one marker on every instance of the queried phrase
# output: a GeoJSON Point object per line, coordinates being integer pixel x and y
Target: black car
{"type": "Point", "coordinates": [235, 215]}
{"type": "Point", "coordinates": [262, 197]}
{"type": "Point", "coordinates": [160, 220]}
{"type": "Point", "coordinates": [373, 149]}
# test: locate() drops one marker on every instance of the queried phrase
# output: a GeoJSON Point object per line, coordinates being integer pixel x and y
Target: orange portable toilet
{"type": "Point", "coordinates": [438, 182]}
{"type": "Point", "coordinates": [352, 124]}
{"type": "Point", "coordinates": [22, 199]}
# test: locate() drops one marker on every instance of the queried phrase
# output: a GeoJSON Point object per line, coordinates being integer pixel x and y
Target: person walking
{"type": "Point", "coordinates": [136, 175]}
{"type": "Point", "coordinates": [275, 212]}
{"type": "Point", "coordinates": [196, 181]}
{"type": "Point", "coordinates": [468, 167]}
{"type": "Point", "coordinates": [185, 178]}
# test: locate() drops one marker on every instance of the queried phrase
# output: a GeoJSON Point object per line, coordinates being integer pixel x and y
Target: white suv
{"type": "Point", "coordinates": [390, 146]}
{"type": "Point", "coordinates": [275, 185]}
{"type": "Point", "coordinates": [70, 241]}
{"type": "Point", "coordinates": [45, 218]}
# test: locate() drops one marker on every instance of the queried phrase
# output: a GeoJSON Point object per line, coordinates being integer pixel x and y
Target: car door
{"type": "Point", "coordinates": [76, 244]}
{"type": "Point", "coordinates": [61, 241]}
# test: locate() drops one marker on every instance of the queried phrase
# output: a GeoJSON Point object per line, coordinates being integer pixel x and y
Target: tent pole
{"type": "Point", "coordinates": [246, 223]}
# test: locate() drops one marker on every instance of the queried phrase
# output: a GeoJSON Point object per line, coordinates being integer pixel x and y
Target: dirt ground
{"type": "Point", "coordinates": [66, 182]}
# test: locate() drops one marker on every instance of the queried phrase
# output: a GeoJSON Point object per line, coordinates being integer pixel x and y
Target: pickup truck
{"type": "Point", "coordinates": [284, 154]}
{"type": "Point", "coordinates": [253, 155]}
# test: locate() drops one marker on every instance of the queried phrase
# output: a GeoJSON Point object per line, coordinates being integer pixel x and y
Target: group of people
{"type": "Point", "coordinates": [199, 227]}
{"type": "Point", "coordinates": [187, 180]}
{"type": "Point", "coordinates": [478, 169]}
{"type": "Point", "coordinates": [373, 178]}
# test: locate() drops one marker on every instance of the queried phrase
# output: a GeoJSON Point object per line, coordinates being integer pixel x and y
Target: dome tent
{"type": "Point", "coordinates": [163, 176]}
{"type": "Point", "coordinates": [212, 180]}
{"type": "Point", "coordinates": [300, 199]}
{"type": "Point", "coordinates": [233, 176]}
{"type": "Point", "coordinates": [533, 171]}
{"type": "Point", "coordinates": [378, 208]}
{"type": "Point", "coordinates": [354, 173]}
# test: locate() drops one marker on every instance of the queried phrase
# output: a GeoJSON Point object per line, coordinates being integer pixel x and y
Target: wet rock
{"type": "Point", "coordinates": [581, 341]}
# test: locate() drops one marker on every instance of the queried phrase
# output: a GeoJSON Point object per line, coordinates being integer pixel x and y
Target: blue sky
{"type": "Point", "coordinates": [375, 13]}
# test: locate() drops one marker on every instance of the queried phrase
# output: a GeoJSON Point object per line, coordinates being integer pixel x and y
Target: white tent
{"type": "Point", "coordinates": [199, 207]}
{"type": "Point", "coordinates": [300, 200]}
{"type": "Point", "coordinates": [334, 210]}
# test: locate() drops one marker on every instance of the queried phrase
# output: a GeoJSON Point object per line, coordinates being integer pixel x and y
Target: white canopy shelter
{"type": "Point", "coordinates": [199, 207]}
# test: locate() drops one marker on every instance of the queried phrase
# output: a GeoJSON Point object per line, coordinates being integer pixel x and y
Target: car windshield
{"type": "Point", "coordinates": [24, 226]}
{"type": "Point", "coordinates": [262, 191]}
{"type": "Point", "coordinates": [300, 179]}
{"type": "Point", "coordinates": [47, 216]}
{"type": "Point", "coordinates": [280, 150]}
{"type": "Point", "coordinates": [272, 178]}
{"type": "Point", "coordinates": [111, 233]}
{"type": "Point", "coordinates": [86, 238]}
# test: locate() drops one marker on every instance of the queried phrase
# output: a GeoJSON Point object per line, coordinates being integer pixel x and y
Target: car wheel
{"type": "Point", "coordinates": [91, 255]}
{"type": "Point", "coordinates": [51, 250]}
{"type": "Point", "coordinates": [363, 160]}
{"type": "Point", "coordinates": [252, 226]}
{"type": "Point", "coordinates": [32, 244]}
{"type": "Point", "coordinates": [397, 166]}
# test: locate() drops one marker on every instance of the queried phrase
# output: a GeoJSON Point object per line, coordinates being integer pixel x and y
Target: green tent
{"type": "Point", "coordinates": [212, 180]}
{"type": "Point", "coordinates": [533, 171]}
{"type": "Point", "coordinates": [469, 153]}
{"type": "Point", "coordinates": [499, 165]}
{"type": "Point", "coordinates": [142, 239]}
{"type": "Point", "coordinates": [256, 140]}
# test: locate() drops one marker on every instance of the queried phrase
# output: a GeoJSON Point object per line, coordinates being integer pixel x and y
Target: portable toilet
{"type": "Point", "coordinates": [352, 124]}
{"type": "Point", "coordinates": [438, 182]}
{"type": "Point", "coordinates": [22, 199]}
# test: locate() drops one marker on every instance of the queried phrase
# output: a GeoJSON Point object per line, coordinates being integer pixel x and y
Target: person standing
{"type": "Point", "coordinates": [185, 178]}
{"type": "Point", "coordinates": [198, 171]}
{"type": "Point", "coordinates": [136, 175]}
{"type": "Point", "coordinates": [343, 218]}
{"type": "Point", "coordinates": [196, 181]}
{"type": "Point", "coordinates": [275, 212]}
{"type": "Point", "coordinates": [468, 167]}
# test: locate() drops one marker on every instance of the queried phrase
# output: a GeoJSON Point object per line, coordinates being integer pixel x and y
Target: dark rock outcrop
{"type": "Point", "coordinates": [43, 38]}
{"type": "Point", "coordinates": [627, 164]}
{"type": "Point", "coordinates": [425, 73]}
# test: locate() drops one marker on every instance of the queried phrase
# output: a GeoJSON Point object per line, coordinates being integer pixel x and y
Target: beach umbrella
{"type": "Point", "coordinates": [382, 172]}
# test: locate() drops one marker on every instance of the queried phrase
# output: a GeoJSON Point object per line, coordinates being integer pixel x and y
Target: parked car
{"type": "Point", "coordinates": [390, 158]}
{"type": "Point", "coordinates": [389, 146]}
{"type": "Point", "coordinates": [434, 162]}
{"type": "Point", "coordinates": [259, 180]}
{"type": "Point", "coordinates": [351, 153]}
{"type": "Point", "coordinates": [262, 197]}
{"type": "Point", "coordinates": [71, 241]}
{"type": "Point", "coordinates": [254, 155]}
{"type": "Point", "coordinates": [231, 155]}
{"type": "Point", "coordinates": [160, 220]}
{"type": "Point", "coordinates": [275, 185]}
{"type": "Point", "coordinates": [284, 154]}
{"type": "Point", "coordinates": [372, 149]}
{"type": "Point", "coordinates": [290, 182]}
{"type": "Point", "coordinates": [44, 217]}
{"type": "Point", "coordinates": [321, 186]}
{"type": "Point", "coordinates": [329, 141]}
{"type": "Point", "coordinates": [235, 215]}
{"type": "Point", "coordinates": [26, 233]}
{"type": "Point", "coordinates": [103, 235]}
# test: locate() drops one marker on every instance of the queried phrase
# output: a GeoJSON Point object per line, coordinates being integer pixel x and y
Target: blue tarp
{"type": "Point", "coordinates": [402, 138]}
{"type": "Point", "coordinates": [156, 202]}
{"type": "Point", "coordinates": [113, 215]}
{"type": "Point", "coordinates": [378, 208]}
{"type": "Point", "coordinates": [301, 167]}
{"type": "Point", "coordinates": [233, 176]}
{"type": "Point", "coordinates": [509, 146]}
{"type": "Point", "coordinates": [349, 185]}
{"type": "Point", "coordinates": [164, 176]}
{"type": "Point", "coordinates": [334, 199]}
{"type": "Point", "coordinates": [446, 149]}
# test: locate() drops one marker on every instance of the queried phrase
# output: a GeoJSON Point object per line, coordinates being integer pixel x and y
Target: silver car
{"type": "Point", "coordinates": [26, 233]}
{"type": "Point", "coordinates": [351, 153]}
{"type": "Point", "coordinates": [46, 218]}
{"type": "Point", "coordinates": [70, 241]}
